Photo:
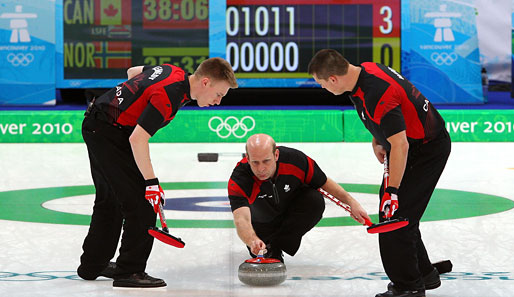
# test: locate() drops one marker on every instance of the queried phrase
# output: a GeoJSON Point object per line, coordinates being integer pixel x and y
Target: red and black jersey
{"type": "Point", "coordinates": [150, 99]}
{"type": "Point", "coordinates": [387, 103]}
{"type": "Point", "coordinates": [269, 198]}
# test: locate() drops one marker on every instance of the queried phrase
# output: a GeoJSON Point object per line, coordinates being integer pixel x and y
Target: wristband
{"type": "Point", "coordinates": [151, 182]}
{"type": "Point", "coordinates": [391, 190]}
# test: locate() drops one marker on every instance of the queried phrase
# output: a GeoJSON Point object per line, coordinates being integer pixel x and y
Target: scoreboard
{"type": "Point", "coordinates": [272, 41]}
{"type": "Point", "coordinates": [269, 43]}
{"type": "Point", "coordinates": [102, 38]}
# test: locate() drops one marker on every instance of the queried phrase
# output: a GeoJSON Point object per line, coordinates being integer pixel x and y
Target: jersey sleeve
{"type": "Point", "coordinates": [315, 176]}
{"type": "Point", "coordinates": [236, 195]}
{"type": "Point", "coordinates": [392, 122]}
{"type": "Point", "coordinates": [308, 170]}
{"type": "Point", "coordinates": [153, 116]}
{"type": "Point", "coordinates": [237, 202]}
{"type": "Point", "coordinates": [151, 119]}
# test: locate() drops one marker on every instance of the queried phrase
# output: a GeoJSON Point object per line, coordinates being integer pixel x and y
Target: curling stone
{"type": "Point", "coordinates": [262, 271]}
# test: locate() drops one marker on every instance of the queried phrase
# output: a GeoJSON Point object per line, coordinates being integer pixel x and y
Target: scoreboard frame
{"type": "Point", "coordinates": [98, 40]}
{"type": "Point", "coordinates": [262, 37]}
{"type": "Point", "coordinates": [382, 45]}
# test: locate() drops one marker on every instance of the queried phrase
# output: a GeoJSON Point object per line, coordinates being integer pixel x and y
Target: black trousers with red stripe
{"type": "Point", "coordinates": [403, 253]}
{"type": "Point", "coordinates": [119, 202]}
{"type": "Point", "coordinates": [285, 232]}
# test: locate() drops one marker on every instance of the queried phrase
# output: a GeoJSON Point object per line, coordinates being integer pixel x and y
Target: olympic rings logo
{"type": "Point", "coordinates": [20, 59]}
{"type": "Point", "coordinates": [444, 58]}
{"type": "Point", "coordinates": [231, 126]}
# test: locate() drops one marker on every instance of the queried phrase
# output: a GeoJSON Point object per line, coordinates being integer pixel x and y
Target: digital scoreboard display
{"type": "Point", "coordinates": [271, 42]}
{"type": "Point", "coordinates": [268, 43]}
{"type": "Point", "coordinates": [101, 39]}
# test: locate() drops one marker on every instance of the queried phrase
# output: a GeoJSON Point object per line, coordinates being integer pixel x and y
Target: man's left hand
{"type": "Point", "coordinates": [389, 204]}
{"type": "Point", "coordinates": [154, 194]}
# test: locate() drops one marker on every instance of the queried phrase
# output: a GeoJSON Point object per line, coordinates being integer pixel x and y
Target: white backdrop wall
{"type": "Point", "coordinates": [494, 37]}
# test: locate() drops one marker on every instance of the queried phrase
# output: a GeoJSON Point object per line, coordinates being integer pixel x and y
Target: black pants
{"type": "Point", "coordinates": [286, 231]}
{"type": "Point", "coordinates": [403, 253]}
{"type": "Point", "coordinates": [119, 202]}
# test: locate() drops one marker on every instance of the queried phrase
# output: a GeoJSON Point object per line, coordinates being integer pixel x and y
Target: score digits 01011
{"type": "Point", "coordinates": [262, 39]}
{"type": "Point", "coordinates": [277, 39]}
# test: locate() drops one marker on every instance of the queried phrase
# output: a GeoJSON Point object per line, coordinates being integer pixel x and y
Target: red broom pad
{"type": "Point", "coordinates": [166, 237]}
{"type": "Point", "coordinates": [163, 234]}
{"type": "Point", "coordinates": [388, 226]}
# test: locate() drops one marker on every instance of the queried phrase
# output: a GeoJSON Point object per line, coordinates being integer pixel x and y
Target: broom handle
{"type": "Point", "coordinates": [386, 172]}
{"type": "Point", "coordinates": [341, 204]}
{"type": "Point", "coordinates": [163, 219]}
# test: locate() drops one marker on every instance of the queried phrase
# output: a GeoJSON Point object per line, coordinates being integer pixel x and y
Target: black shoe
{"type": "Point", "coordinates": [138, 280]}
{"type": "Point", "coordinates": [431, 281]}
{"type": "Point", "coordinates": [106, 272]}
{"type": "Point", "coordinates": [109, 270]}
{"type": "Point", "coordinates": [85, 275]}
{"type": "Point", "coordinates": [394, 293]}
{"type": "Point", "coordinates": [443, 266]}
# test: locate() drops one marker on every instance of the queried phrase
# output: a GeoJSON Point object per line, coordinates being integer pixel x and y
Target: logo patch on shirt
{"type": "Point", "coordinates": [157, 70]}
{"type": "Point", "coordinates": [264, 196]}
{"type": "Point", "coordinates": [425, 106]}
{"type": "Point", "coordinates": [287, 188]}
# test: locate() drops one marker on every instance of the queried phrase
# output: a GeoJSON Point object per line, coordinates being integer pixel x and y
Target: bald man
{"type": "Point", "coordinates": [274, 198]}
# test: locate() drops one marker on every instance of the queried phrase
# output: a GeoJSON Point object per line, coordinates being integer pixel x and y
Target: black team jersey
{"type": "Point", "coordinates": [269, 198]}
{"type": "Point", "coordinates": [150, 99]}
{"type": "Point", "coordinates": [387, 103]}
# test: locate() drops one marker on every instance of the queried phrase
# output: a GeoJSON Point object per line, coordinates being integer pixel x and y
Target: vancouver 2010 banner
{"type": "Point", "coordinates": [440, 54]}
{"type": "Point", "coordinates": [27, 52]}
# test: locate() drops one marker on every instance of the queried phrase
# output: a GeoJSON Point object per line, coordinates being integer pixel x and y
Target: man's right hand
{"type": "Point", "coordinates": [154, 193]}
{"type": "Point", "coordinates": [257, 245]}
